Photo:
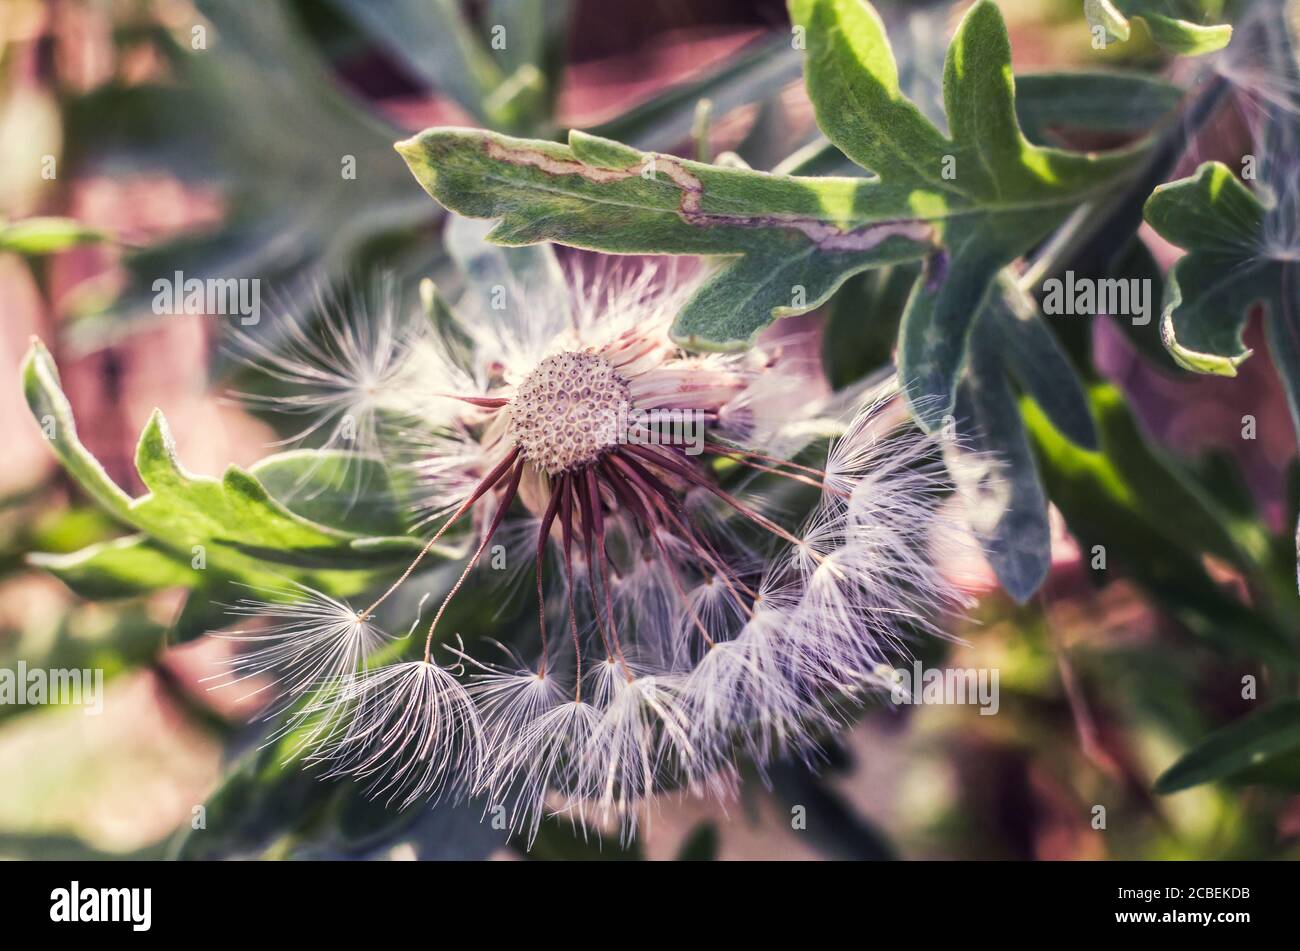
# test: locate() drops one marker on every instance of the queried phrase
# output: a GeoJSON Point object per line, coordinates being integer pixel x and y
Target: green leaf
{"type": "Point", "coordinates": [756, 75]}
{"type": "Point", "coordinates": [1030, 352]}
{"type": "Point", "coordinates": [34, 236]}
{"type": "Point", "coordinates": [788, 243]}
{"type": "Point", "coordinates": [334, 488]}
{"type": "Point", "coordinates": [263, 797]}
{"type": "Point", "coordinates": [535, 42]}
{"type": "Point", "coordinates": [991, 192]}
{"type": "Point", "coordinates": [1104, 14]}
{"type": "Point", "coordinates": [206, 609]}
{"type": "Point", "coordinates": [436, 43]}
{"type": "Point", "coordinates": [1265, 739]}
{"type": "Point", "coordinates": [234, 526]}
{"type": "Point", "coordinates": [502, 278]}
{"type": "Point", "coordinates": [1211, 290]}
{"type": "Point", "coordinates": [53, 414]}
{"type": "Point", "coordinates": [1153, 522]}
{"type": "Point", "coordinates": [1172, 33]}
{"type": "Point", "coordinates": [1006, 504]}
{"type": "Point", "coordinates": [123, 567]}
{"type": "Point", "coordinates": [1138, 263]}
{"type": "Point", "coordinates": [1115, 102]}
{"type": "Point", "coordinates": [1185, 38]}
{"type": "Point", "coordinates": [1230, 270]}
{"type": "Point", "coordinates": [701, 845]}
{"type": "Point", "coordinates": [1127, 475]}
{"type": "Point", "coordinates": [1243, 245]}
{"type": "Point", "coordinates": [559, 840]}
{"type": "Point", "coordinates": [862, 323]}
{"type": "Point", "coordinates": [1092, 101]}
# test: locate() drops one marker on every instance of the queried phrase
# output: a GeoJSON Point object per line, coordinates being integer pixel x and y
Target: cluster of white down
{"type": "Point", "coordinates": [746, 646]}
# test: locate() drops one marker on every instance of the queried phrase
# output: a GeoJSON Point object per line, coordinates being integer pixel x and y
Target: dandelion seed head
{"type": "Point", "coordinates": [687, 618]}
{"type": "Point", "coordinates": [564, 414]}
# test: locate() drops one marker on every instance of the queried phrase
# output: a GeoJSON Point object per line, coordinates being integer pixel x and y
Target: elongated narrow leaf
{"type": "Point", "coordinates": [1006, 501]}
{"type": "Point", "coordinates": [1152, 524]}
{"type": "Point", "coordinates": [236, 117]}
{"type": "Point", "coordinates": [33, 236]}
{"type": "Point", "coordinates": [1262, 739]}
{"type": "Point", "coordinates": [753, 76]}
{"type": "Point", "coordinates": [125, 566]}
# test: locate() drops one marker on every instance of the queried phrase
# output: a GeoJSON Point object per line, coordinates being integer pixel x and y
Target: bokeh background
{"type": "Point", "coordinates": [224, 160]}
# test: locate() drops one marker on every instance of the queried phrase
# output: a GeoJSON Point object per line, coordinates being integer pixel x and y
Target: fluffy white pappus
{"type": "Point", "coordinates": [620, 311]}
{"type": "Point", "coordinates": [368, 377]}
{"type": "Point", "coordinates": [865, 568]}
{"type": "Point", "coordinates": [649, 607]}
{"type": "Point", "coordinates": [310, 640]}
{"type": "Point", "coordinates": [714, 613]}
{"type": "Point", "coordinates": [1260, 65]}
{"type": "Point", "coordinates": [413, 733]}
{"type": "Point", "coordinates": [537, 739]}
{"type": "Point", "coordinates": [627, 311]}
{"type": "Point", "coordinates": [509, 701]}
{"type": "Point", "coordinates": [1258, 62]}
{"type": "Point", "coordinates": [639, 744]}
{"type": "Point", "coordinates": [445, 465]}
{"type": "Point", "coordinates": [747, 693]}
{"type": "Point", "coordinates": [781, 408]}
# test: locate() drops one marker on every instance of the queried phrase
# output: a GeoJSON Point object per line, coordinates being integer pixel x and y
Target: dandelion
{"type": "Point", "coordinates": [684, 616]}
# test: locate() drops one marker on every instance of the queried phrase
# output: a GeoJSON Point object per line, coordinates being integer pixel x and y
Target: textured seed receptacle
{"type": "Point", "coordinates": [567, 412]}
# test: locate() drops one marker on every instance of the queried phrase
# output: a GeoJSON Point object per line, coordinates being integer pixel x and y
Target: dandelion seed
{"type": "Point", "coordinates": [314, 639]}
{"type": "Point", "coordinates": [413, 733]}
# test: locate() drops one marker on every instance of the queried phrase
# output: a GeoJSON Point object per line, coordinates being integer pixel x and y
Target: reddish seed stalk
{"type": "Point", "coordinates": [651, 502]}
{"type": "Point", "coordinates": [552, 508]}
{"type": "Point", "coordinates": [598, 523]}
{"type": "Point", "coordinates": [490, 480]}
{"type": "Point", "coordinates": [505, 503]}
{"type": "Point", "coordinates": [486, 402]}
{"type": "Point", "coordinates": [566, 528]}
{"type": "Point", "coordinates": [659, 496]}
{"type": "Point", "coordinates": [589, 521]}
{"type": "Point", "coordinates": [794, 476]}
{"type": "Point", "coordinates": [681, 590]}
{"type": "Point", "coordinates": [627, 490]}
{"type": "Point", "coordinates": [820, 474]}
{"type": "Point", "coordinates": [686, 472]}
{"type": "Point", "coordinates": [644, 519]}
{"type": "Point", "coordinates": [576, 497]}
